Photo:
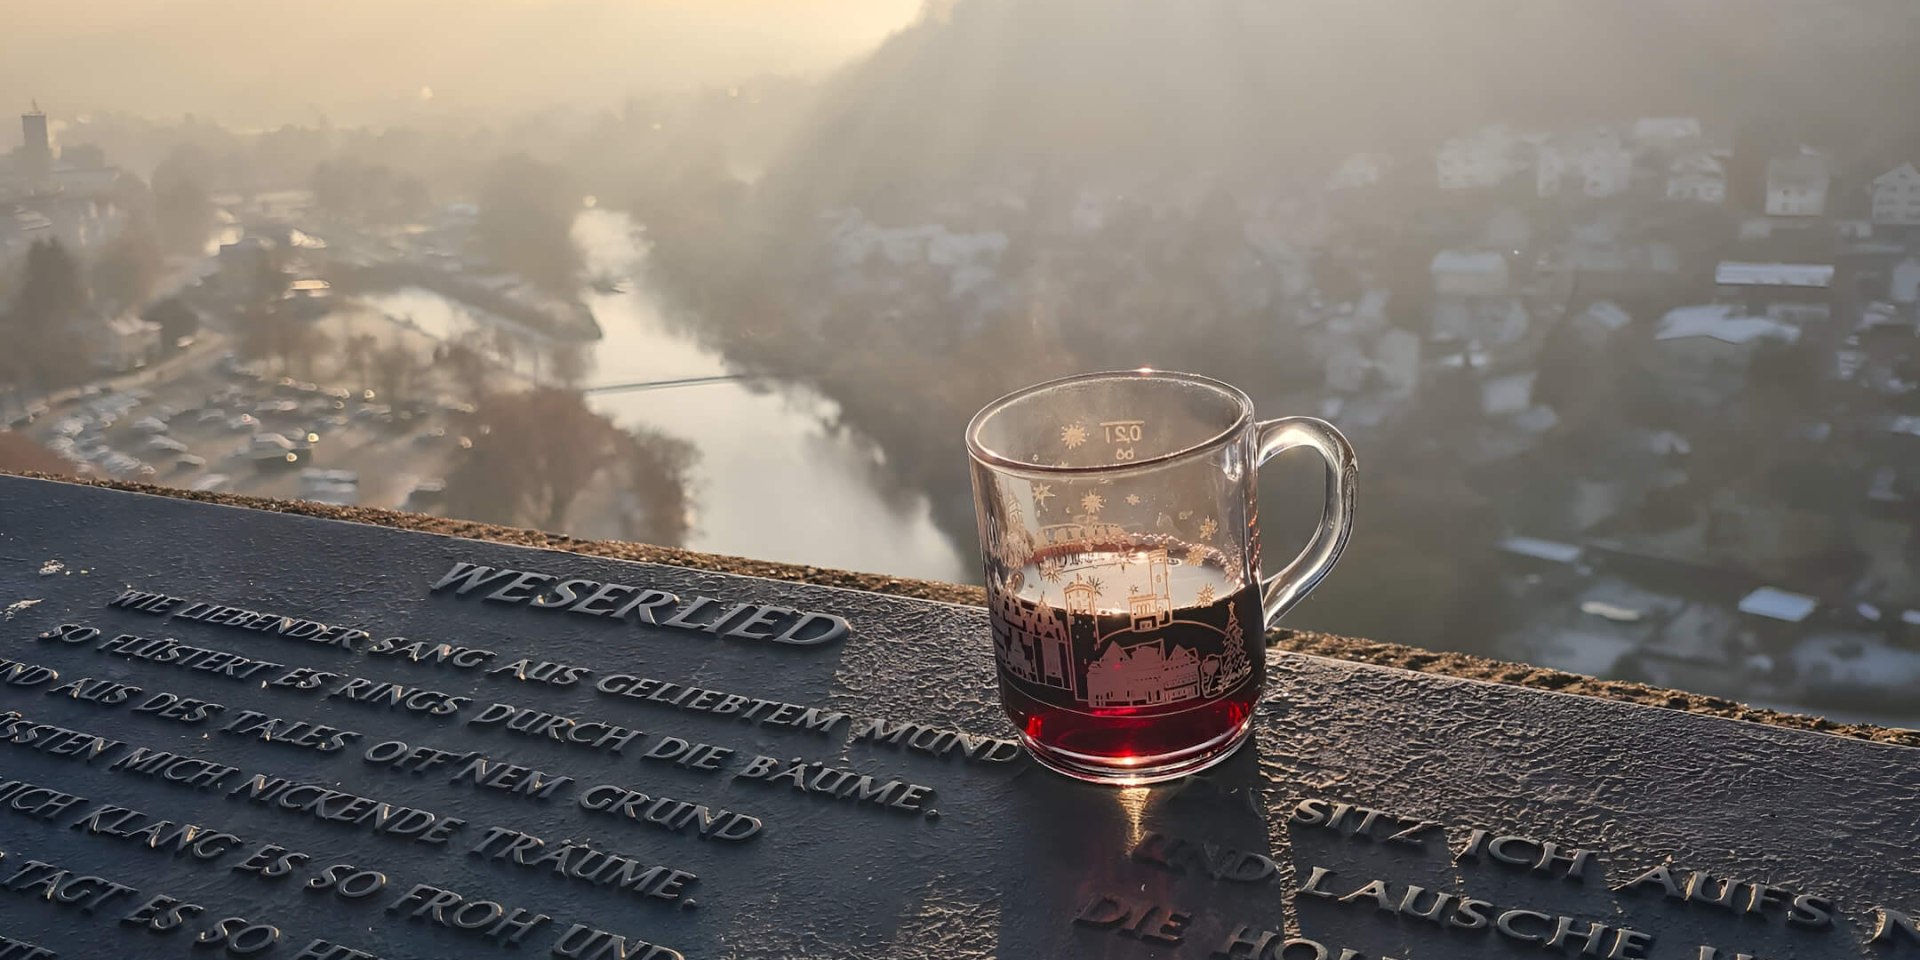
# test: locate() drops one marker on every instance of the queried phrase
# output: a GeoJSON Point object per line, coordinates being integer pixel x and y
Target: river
{"type": "Point", "coordinates": [773, 481]}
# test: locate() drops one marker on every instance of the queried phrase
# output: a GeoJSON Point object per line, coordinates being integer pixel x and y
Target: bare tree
{"type": "Point", "coordinates": [396, 370]}
{"type": "Point", "coordinates": [268, 332]}
{"type": "Point", "coordinates": [656, 470]}
{"type": "Point", "coordinates": [568, 364]}
{"type": "Point", "coordinates": [128, 267]}
{"type": "Point", "coordinates": [468, 367]}
{"type": "Point", "coordinates": [357, 356]}
{"type": "Point", "coordinates": [532, 455]}
{"type": "Point", "coordinates": [42, 330]}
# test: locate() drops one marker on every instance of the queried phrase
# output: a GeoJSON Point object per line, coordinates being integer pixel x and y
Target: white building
{"type": "Point", "coordinates": [1896, 196]}
{"type": "Point", "coordinates": [1697, 176]}
{"type": "Point", "coordinates": [1601, 320]}
{"type": "Point", "coordinates": [1904, 287]}
{"type": "Point", "coordinates": [1593, 163]}
{"type": "Point", "coordinates": [1360, 170]}
{"type": "Point", "coordinates": [1486, 158]}
{"type": "Point", "coordinates": [1397, 362]}
{"type": "Point", "coordinates": [1664, 132]}
{"type": "Point", "coordinates": [1806, 276]}
{"type": "Point", "coordinates": [1705, 351]}
{"type": "Point", "coordinates": [1724, 324]}
{"type": "Point", "coordinates": [1467, 274]}
{"type": "Point", "coordinates": [1506, 395]}
{"type": "Point", "coordinates": [1797, 185]}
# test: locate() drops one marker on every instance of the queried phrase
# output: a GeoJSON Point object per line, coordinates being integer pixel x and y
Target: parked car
{"type": "Point", "coordinates": [188, 461]}
{"type": "Point", "coordinates": [270, 450]}
{"type": "Point", "coordinates": [320, 475]}
{"type": "Point", "coordinates": [427, 494]}
{"type": "Point", "coordinates": [166, 444]}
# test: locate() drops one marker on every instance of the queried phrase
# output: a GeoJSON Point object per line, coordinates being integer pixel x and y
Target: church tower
{"type": "Point", "coordinates": [36, 150]}
{"type": "Point", "coordinates": [1083, 625]}
{"type": "Point", "coordinates": [1154, 608]}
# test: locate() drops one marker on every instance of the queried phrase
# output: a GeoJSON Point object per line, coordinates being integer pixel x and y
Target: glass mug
{"type": "Point", "coordinates": [1121, 540]}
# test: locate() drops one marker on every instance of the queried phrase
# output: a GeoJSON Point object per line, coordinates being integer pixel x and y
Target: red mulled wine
{"type": "Point", "coordinates": [1146, 658]}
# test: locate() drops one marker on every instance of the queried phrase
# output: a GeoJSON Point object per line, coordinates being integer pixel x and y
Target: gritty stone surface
{"type": "Point", "coordinates": [1300, 641]}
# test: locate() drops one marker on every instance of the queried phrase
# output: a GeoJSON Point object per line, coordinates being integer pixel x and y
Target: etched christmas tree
{"type": "Point", "coordinates": [1233, 656]}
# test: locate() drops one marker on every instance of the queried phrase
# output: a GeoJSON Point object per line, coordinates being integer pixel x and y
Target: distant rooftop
{"type": "Point", "coordinates": [1725, 323]}
{"type": "Point", "coordinates": [1735, 273]}
{"type": "Point", "coordinates": [1776, 604]}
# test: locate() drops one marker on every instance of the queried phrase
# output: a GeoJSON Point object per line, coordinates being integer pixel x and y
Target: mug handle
{"type": "Point", "coordinates": [1284, 589]}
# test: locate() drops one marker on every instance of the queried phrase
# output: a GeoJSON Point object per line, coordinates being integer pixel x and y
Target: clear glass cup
{"type": "Point", "coordinates": [1120, 532]}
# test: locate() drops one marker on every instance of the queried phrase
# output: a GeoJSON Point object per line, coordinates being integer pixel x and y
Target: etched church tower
{"type": "Point", "coordinates": [1154, 608]}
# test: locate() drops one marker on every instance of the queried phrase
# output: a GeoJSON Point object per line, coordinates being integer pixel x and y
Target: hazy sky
{"type": "Point", "coordinates": [271, 61]}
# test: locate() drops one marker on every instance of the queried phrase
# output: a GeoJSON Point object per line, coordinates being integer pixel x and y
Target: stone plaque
{"type": "Point", "coordinates": [235, 733]}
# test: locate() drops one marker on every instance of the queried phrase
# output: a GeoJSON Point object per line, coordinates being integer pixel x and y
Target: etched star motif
{"type": "Point", "coordinates": [1208, 528]}
{"type": "Point", "coordinates": [1051, 569]}
{"type": "Point", "coordinates": [1133, 499]}
{"type": "Point", "coordinates": [1204, 596]}
{"type": "Point", "coordinates": [1073, 435]}
{"type": "Point", "coordinates": [1092, 503]}
{"type": "Point", "coordinates": [1042, 492]}
{"type": "Point", "coordinates": [1196, 554]}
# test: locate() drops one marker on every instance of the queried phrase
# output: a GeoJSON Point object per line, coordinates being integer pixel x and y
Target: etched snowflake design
{"type": "Point", "coordinates": [1196, 554]}
{"type": "Point", "coordinates": [1095, 583]}
{"type": "Point", "coordinates": [1208, 528]}
{"type": "Point", "coordinates": [1204, 596]}
{"type": "Point", "coordinates": [1133, 499]}
{"type": "Point", "coordinates": [1041, 494]}
{"type": "Point", "coordinates": [1073, 435]}
{"type": "Point", "coordinates": [1092, 503]}
{"type": "Point", "coordinates": [1051, 570]}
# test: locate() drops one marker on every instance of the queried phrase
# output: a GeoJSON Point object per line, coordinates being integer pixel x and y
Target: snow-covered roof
{"type": "Point", "coordinates": [1665, 128]}
{"type": "Point", "coordinates": [1699, 162]}
{"type": "Point", "coordinates": [1607, 314]}
{"type": "Point", "coordinates": [1903, 173]}
{"type": "Point", "coordinates": [1549, 550]}
{"type": "Point", "coordinates": [1736, 273]}
{"type": "Point", "coordinates": [1777, 604]}
{"type": "Point", "coordinates": [1536, 419]}
{"type": "Point", "coordinates": [1506, 394]}
{"type": "Point", "coordinates": [1668, 443]}
{"type": "Point", "coordinates": [1725, 323]}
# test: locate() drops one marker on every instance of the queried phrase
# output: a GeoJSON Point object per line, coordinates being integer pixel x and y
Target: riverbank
{"type": "Point", "coordinates": [560, 318]}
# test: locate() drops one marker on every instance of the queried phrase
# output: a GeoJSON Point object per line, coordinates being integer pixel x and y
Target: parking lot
{"type": "Point", "coordinates": [226, 426]}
